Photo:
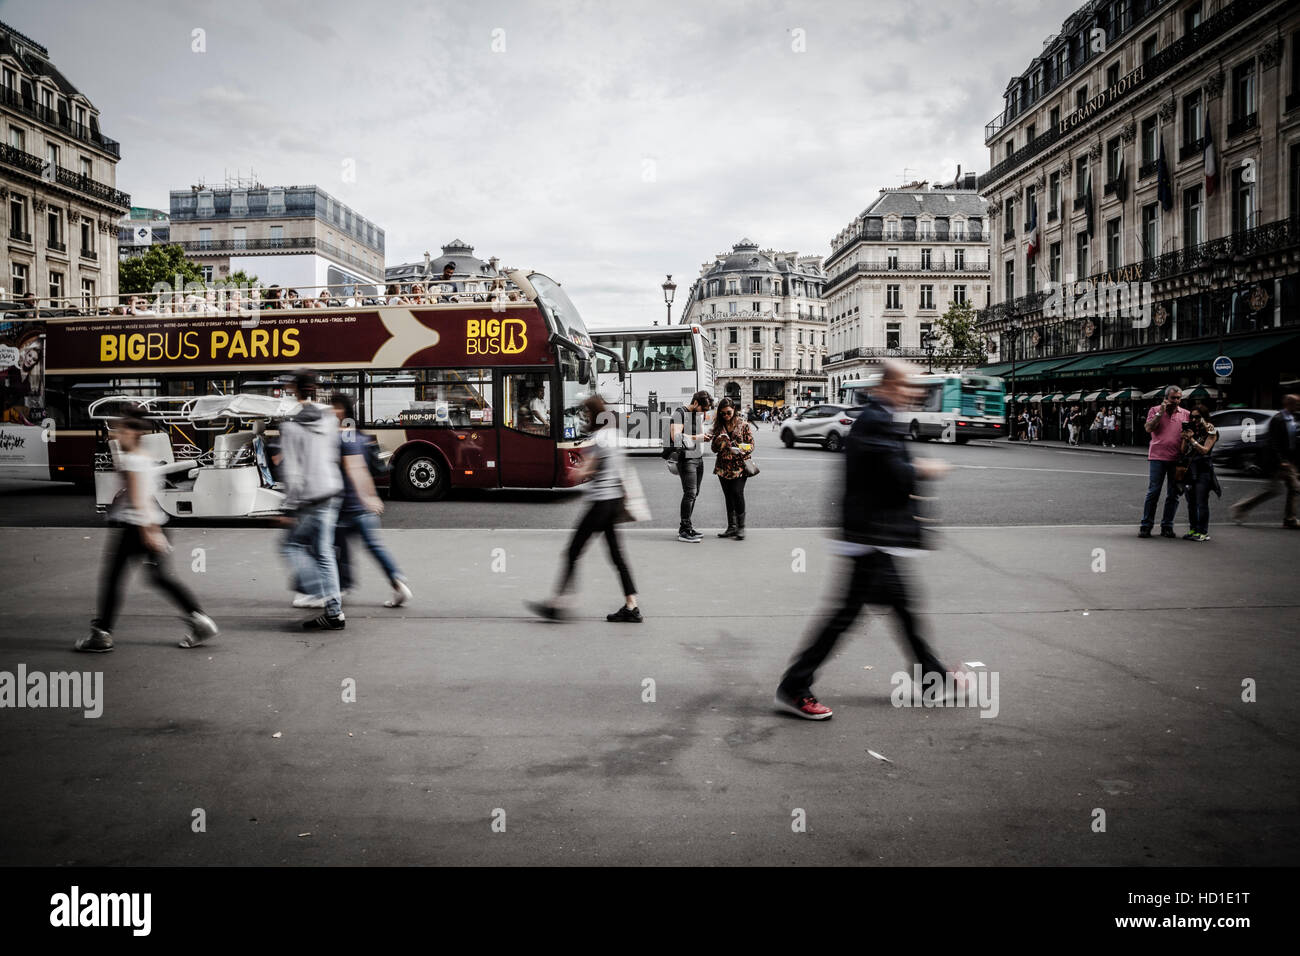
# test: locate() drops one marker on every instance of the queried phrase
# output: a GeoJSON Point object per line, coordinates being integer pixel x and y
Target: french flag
{"type": "Point", "coordinates": [1211, 161]}
{"type": "Point", "coordinates": [1032, 249]}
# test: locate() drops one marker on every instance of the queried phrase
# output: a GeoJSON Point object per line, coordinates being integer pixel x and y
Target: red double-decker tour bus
{"type": "Point", "coordinates": [470, 394]}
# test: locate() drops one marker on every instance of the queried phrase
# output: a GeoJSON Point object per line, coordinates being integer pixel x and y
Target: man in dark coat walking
{"type": "Point", "coordinates": [880, 527]}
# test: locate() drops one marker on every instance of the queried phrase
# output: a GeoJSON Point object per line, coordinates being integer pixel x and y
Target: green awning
{"type": "Point", "coordinates": [1199, 356]}
{"type": "Point", "coordinates": [993, 371]}
{"type": "Point", "coordinates": [1095, 362]}
{"type": "Point", "coordinates": [1036, 369]}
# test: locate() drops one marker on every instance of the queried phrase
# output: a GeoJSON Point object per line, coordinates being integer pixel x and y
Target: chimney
{"type": "Point", "coordinates": [493, 263]}
{"type": "Point", "coordinates": [426, 262]}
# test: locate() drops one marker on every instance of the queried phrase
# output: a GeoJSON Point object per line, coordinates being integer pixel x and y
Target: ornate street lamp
{"type": "Point", "coordinates": [669, 288]}
{"type": "Point", "coordinates": [927, 342]}
{"type": "Point", "coordinates": [1013, 328]}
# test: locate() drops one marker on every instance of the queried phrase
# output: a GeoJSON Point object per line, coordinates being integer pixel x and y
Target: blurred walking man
{"type": "Point", "coordinates": [1284, 463]}
{"type": "Point", "coordinates": [309, 444]}
{"type": "Point", "coordinates": [880, 525]}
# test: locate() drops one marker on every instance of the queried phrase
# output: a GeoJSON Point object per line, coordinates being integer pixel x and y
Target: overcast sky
{"type": "Point", "coordinates": [607, 144]}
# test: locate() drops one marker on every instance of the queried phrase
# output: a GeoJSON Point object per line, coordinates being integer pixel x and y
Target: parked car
{"type": "Point", "coordinates": [826, 425]}
{"type": "Point", "coordinates": [1232, 450]}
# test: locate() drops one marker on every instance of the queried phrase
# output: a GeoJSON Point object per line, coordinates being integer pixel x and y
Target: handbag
{"type": "Point", "coordinates": [750, 468]}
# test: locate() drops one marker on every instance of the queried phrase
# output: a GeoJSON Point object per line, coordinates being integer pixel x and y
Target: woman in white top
{"type": "Point", "coordinates": [138, 533]}
{"type": "Point", "coordinates": [1108, 427]}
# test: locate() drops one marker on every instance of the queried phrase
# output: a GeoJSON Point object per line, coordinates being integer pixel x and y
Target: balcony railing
{"type": "Point", "coordinates": [1053, 214]}
{"type": "Point", "coordinates": [1245, 124]}
{"type": "Point", "coordinates": [28, 106]}
{"type": "Point", "coordinates": [1191, 149]}
{"type": "Point", "coordinates": [19, 235]}
{"type": "Point", "coordinates": [35, 166]}
{"type": "Point", "coordinates": [1080, 202]}
{"type": "Point", "coordinates": [1147, 169]}
{"type": "Point", "coordinates": [301, 243]}
{"type": "Point", "coordinates": [89, 254]}
{"type": "Point", "coordinates": [1273, 237]}
{"type": "Point", "coordinates": [1009, 233]}
{"type": "Point", "coordinates": [902, 267]}
{"type": "Point", "coordinates": [56, 245]}
{"type": "Point", "coordinates": [1171, 56]}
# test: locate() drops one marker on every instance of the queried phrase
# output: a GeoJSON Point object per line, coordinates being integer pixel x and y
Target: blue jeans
{"type": "Point", "coordinates": [1199, 478]}
{"type": "Point", "coordinates": [310, 549]}
{"type": "Point", "coordinates": [1160, 472]}
{"type": "Point", "coordinates": [365, 524]}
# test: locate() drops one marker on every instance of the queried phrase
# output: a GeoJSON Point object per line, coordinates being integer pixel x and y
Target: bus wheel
{"type": "Point", "coordinates": [787, 437]}
{"type": "Point", "coordinates": [833, 442]}
{"type": "Point", "coordinates": [915, 431]}
{"type": "Point", "coordinates": [420, 476]}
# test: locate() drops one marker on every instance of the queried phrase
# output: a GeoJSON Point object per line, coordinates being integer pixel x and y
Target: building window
{"type": "Point", "coordinates": [1031, 279]}
{"type": "Point", "coordinates": [925, 258]}
{"type": "Point", "coordinates": [733, 336]}
{"type": "Point", "coordinates": [757, 336]}
{"type": "Point", "coordinates": [1081, 97]}
{"type": "Point", "coordinates": [54, 229]}
{"type": "Point", "coordinates": [88, 293]}
{"type": "Point", "coordinates": [1193, 234]}
{"type": "Point", "coordinates": [18, 218]}
{"type": "Point", "coordinates": [892, 259]}
{"type": "Point", "coordinates": [17, 279]}
{"type": "Point", "coordinates": [1243, 202]}
{"type": "Point", "coordinates": [1113, 253]}
{"type": "Point", "coordinates": [277, 237]}
{"type": "Point", "coordinates": [891, 229]}
{"type": "Point", "coordinates": [56, 288]}
{"type": "Point", "coordinates": [732, 361]}
{"type": "Point", "coordinates": [1081, 255]}
{"type": "Point", "coordinates": [892, 298]}
{"type": "Point", "coordinates": [1112, 74]}
{"type": "Point", "coordinates": [731, 308]}
{"type": "Point", "coordinates": [241, 237]}
{"type": "Point", "coordinates": [1191, 118]}
{"type": "Point", "coordinates": [1192, 17]}
{"type": "Point", "coordinates": [1009, 279]}
{"type": "Point", "coordinates": [1149, 47]}
{"type": "Point", "coordinates": [1080, 177]}
{"type": "Point", "coordinates": [52, 154]}
{"type": "Point", "coordinates": [1294, 178]}
{"type": "Point", "coordinates": [959, 259]}
{"type": "Point", "coordinates": [17, 138]}
{"type": "Point", "coordinates": [205, 237]}
{"type": "Point", "coordinates": [958, 296]}
{"type": "Point", "coordinates": [927, 297]}
{"type": "Point", "coordinates": [1054, 117]}
{"type": "Point", "coordinates": [756, 360]}
{"type": "Point", "coordinates": [1151, 230]}
{"type": "Point", "coordinates": [800, 337]}
{"type": "Point", "coordinates": [1150, 150]}
{"type": "Point", "coordinates": [207, 273]}
{"type": "Point", "coordinates": [893, 335]}
{"type": "Point", "coordinates": [1113, 153]}
{"type": "Point", "coordinates": [776, 336]}
{"type": "Point", "coordinates": [1053, 195]}
{"type": "Point", "coordinates": [87, 168]}
{"type": "Point", "coordinates": [1054, 262]}
{"type": "Point", "coordinates": [1243, 94]}
{"type": "Point", "coordinates": [87, 237]}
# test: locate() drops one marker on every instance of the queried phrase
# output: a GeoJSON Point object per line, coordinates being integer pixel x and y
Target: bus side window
{"type": "Point", "coordinates": [934, 398]}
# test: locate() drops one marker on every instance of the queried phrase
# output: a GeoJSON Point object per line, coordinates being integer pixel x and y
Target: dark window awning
{"type": "Point", "coordinates": [993, 371]}
{"type": "Point", "coordinates": [1199, 356]}
{"type": "Point", "coordinates": [1039, 368]}
{"type": "Point", "coordinates": [1096, 362]}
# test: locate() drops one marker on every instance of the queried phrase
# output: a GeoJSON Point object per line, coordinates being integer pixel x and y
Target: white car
{"type": "Point", "coordinates": [1232, 450]}
{"type": "Point", "coordinates": [826, 425]}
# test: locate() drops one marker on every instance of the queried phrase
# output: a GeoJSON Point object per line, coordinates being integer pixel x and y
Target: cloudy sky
{"type": "Point", "coordinates": [604, 143]}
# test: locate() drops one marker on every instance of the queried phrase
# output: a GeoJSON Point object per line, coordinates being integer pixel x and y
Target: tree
{"type": "Point", "coordinates": [960, 342]}
{"type": "Point", "coordinates": [160, 263]}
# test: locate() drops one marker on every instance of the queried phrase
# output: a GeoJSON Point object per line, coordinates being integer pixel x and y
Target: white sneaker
{"type": "Point", "coordinates": [204, 628]}
{"type": "Point", "coordinates": [401, 594]}
{"type": "Point", "coordinates": [306, 600]}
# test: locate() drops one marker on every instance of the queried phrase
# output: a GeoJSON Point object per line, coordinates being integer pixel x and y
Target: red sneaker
{"type": "Point", "coordinates": [807, 707]}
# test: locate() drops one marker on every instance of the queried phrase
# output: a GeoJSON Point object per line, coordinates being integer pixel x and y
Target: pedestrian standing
{"type": "Point", "coordinates": [1075, 423]}
{"type": "Point", "coordinates": [606, 491]}
{"type": "Point", "coordinates": [1199, 438]}
{"type": "Point", "coordinates": [687, 430]}
{"type": "Point", "coordinates": [1108, 426]}
{"type": "Point", "coordinates": [137, 522]}
{"type": "Point", "coordinates": [880, 526]}
{"type": "Point", "coordinates": [1282, 464]}
{"type": "Point", "coordinates": [309, 446]}
{"type": "Point", "coordinates": [1036, 426]}
{"type": "Point", "coordinates": [733, 440]}
{"type": "Point", "coordinates": [1165, 426]}
{"type": "Point", "coordinates": [361, 506]}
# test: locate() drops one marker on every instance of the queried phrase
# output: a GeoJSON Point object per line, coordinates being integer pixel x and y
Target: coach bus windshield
{"type": "Point", "coordinates": [566, 321]}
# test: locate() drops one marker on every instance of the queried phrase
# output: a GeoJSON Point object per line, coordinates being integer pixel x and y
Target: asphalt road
{"type": "Point", "coordinates": [992, 484]}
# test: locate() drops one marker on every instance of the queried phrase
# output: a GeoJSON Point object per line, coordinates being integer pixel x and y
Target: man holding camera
{"type": "Point", "coordinates": [686, 431]}
{"type": "Point", "coordinates": [1165, 426]}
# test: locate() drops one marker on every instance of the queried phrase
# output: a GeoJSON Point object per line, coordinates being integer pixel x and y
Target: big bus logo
{"type": "Point", "coordinates": [495, 336]}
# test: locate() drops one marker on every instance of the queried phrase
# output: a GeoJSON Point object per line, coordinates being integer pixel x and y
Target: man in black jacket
{"type": "Point", "coordinates": [880, 525]}
{"type": "Point", "coordinates": [1283, 463]}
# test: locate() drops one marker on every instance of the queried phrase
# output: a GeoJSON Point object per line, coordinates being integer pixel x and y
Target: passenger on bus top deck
{"type": "Point", "coordinates": [417, 294]}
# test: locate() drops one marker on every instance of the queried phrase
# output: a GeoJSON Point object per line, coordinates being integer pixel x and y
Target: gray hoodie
{"type": "Point", "coordinates": [309, 443]}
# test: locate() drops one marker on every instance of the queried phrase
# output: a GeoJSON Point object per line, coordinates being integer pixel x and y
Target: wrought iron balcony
{"type": "Point", "coordinates": [14, 100]}
{"type": "Point", "coordinates": [1243, 125]}
{"type": "Point", "coordinates": [1191, 149]}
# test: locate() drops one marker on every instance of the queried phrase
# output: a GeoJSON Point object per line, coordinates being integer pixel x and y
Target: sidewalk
{"type": "Point", "coordinates": [1121, 450]}
{"type": "Point", "coordinates": [656, 744]}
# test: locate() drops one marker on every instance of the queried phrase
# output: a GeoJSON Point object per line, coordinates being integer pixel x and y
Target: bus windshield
{"type": "Point", "coordinates": [564, 315]}
{"type": "Point", "coordinates": [561, 310]}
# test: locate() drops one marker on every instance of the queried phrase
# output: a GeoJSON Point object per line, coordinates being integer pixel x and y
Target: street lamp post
{"type": "Point", "coordinates": [1013, 327]}
{"type": "Point", "coordinates": [669, 288]}
{"type": "Point", "coordinates": [927, 343]}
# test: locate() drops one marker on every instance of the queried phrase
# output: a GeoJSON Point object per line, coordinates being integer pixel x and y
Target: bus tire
{"type": "Point", "coordinates": [787, 437]}
{"type": "Point", "coordinates": [421, 476]}
{"type": "Point", "coordinates": [834, 442]}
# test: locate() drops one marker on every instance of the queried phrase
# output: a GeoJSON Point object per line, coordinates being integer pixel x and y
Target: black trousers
{"type": "Point", "coordinates": [599, 519]}
{"type": "Point", "coordinates": [691, 473]}
{"type": "Point", "coordinates": [124, 545]}
{"type": "Point", "coordinates": [733, 492]}
{"type": "Point", "coordinates": [875, 579]}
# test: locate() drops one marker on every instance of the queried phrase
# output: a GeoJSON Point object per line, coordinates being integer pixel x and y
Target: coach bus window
{"type": "Point", "coordinates": [428, 398]}
{"type": "Point", "coordinates": [527, 402]}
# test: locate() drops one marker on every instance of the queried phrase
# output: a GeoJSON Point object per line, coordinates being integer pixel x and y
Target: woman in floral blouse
{"type": "Point", "coordinates": [733, 440]}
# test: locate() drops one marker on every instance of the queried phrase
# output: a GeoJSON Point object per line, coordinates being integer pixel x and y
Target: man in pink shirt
{"type": "Point", "coordinates": [1165, 426]}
